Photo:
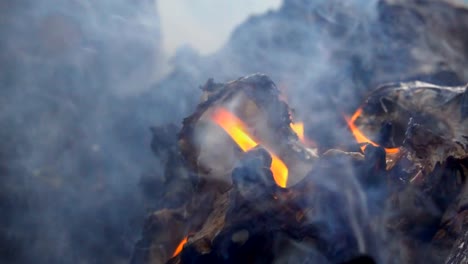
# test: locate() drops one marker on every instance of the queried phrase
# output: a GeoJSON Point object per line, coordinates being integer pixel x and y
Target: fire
{"type": "Point", "coordinates": [360, 137]}
{"type": "Point", "coordinates": [298, 128]}
{"type": "Point", "coordinates": [180, 247]}
{"type": "Point", "coordinates": [237, 130]}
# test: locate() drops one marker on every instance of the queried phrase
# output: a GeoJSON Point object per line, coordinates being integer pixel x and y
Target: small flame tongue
{"type": "Point", "coordinates": [237, 130]}
{"type": "Point", "coordinates": [298, 128]}
{"type": "Point", "coordinates": [180, 246]}
{"type": "Point", "coordinates": [360, 137]}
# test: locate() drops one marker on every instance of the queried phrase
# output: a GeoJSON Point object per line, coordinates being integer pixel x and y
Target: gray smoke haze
{"type": "Point", "coordinates": [74, 137]}
{"type": "Point", "coordinates": [72, 147]}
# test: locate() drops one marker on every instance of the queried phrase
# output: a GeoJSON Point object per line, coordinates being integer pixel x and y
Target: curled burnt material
{"type": "Point", "coordinates": [428, 120]}
{"type": "Point", "coordinates": [428, 126]}
{"type": "Point", "coordinates": [249, 107]}
{"type": "Point", "coordinates": [242, 117]}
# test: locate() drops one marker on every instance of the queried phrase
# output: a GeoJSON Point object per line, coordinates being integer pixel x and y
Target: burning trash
{"type": "Point", "coordinates": [268, 195]}
{"type": "Point", "coordinates": [352, 150]}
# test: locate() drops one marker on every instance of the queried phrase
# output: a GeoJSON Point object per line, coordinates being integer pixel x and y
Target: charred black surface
{"type": "Point", "coordinates": [422, 208]}
{"type": "Point", "coordinates": [361, 260]}
{"type": "Point", "coordinates": [311, 213]}
{"type": "Point", "coordinates": [388, 110]}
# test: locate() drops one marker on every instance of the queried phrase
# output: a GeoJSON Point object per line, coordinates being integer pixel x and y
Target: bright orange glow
{"type": "Point", "coordinates": [237, 130]}
{"type": "Point", "coordinates": [180, 247]}
{"type": "Point", "coordinates": [298, 128]}
{"type": "Point", "coordinates": [360, 137]}
{"type": "Point", "coordinates": [279, 170]}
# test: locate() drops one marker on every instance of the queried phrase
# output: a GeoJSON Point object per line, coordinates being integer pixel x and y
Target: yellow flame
{"type": "Point", "coordinates": [360, 137]}
{"type": "Point", "coordinates": [279, 171]}
{"type": "Point", "coordinates": [298, 128]}
{"type": "Point", "coordinates": [237, 130]}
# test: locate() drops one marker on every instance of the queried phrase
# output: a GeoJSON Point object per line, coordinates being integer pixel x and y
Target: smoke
{"type": "Point", "coordinates": [205, 25]}
{"type": "Point", "coordinates": [73, 142]}
{"type": "Point", "coordinates": [79, 91]}
{"type": "Point", "coordinates": [326, 56]}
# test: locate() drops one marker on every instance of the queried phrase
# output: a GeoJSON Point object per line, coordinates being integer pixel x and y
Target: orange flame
{"type": "Point", "coordinates": [237, 130]}
{"type": "Point", "coordinates": [360, 137]}
{"type": "Point", "coordinates": [180, 247]}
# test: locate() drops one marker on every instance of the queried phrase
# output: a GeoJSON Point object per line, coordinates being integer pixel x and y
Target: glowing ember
{"type": "Point", "coordinates": [237, 130]}
{"type": "Point", "coordinates": [180, 247]}
{"type": "Point", "coordinates": [360, 137]}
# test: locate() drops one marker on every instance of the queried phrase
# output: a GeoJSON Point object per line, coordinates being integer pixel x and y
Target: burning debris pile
{"type": "Point", "coordinates": [245, 176]}
{"type": "Point", "coordinates": [254, 192]}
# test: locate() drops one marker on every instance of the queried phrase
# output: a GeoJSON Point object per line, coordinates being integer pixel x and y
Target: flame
{"type": "Point", "coordinates": [298, 128]}
{"type": "Point", "coordinates": [360, 137]}
{"type": "Point", "coordinates": [180, 246]}
{"type": "Point", "coordinates": [237, 130]}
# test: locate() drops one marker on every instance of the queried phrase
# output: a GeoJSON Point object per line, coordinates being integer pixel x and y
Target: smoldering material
{"type": "Point", "coordinates": [325, 56]}
{"type": "Point", "coordinates": [426, 119]}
